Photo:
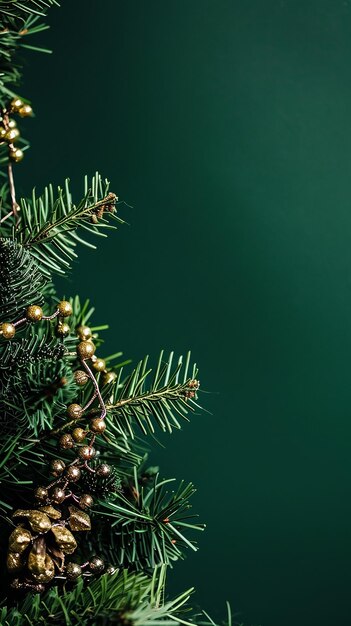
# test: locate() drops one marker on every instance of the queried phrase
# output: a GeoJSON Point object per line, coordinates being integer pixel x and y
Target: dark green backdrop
{"type": "Point", "coordinates": [226, 125]}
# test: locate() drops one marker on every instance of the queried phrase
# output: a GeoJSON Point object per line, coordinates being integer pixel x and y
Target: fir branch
{"type": "Point", "coordinates": [170, 395]}
{"type": "Point", "coordinates": [49, 223]}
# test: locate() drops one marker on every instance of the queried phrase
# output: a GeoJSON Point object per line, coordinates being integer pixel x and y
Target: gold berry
{"type": "Point", "coordinates": [80, 377]}
{"type": "Point", "coordinates": [86, 501]}
{"type": "Point", "coordinates": [7, 330]}
{"type": "Point", "coordinates": [96, 564]}
{"type": "Point", "coordinates": [99, 365]}
{"type": "Point", "coordinates": [79, 434]}
{"type": "Point", "coordinates": [16, 154]}
{"type": "Point", "coordinates": [104, 470]}
{"type": "Point", "coordinates": [84, 333]}
{"type": "Point", "coordinates": [57, 466]}
{"type": "Point", "coordinates": [66, 441]}
{"type": "Point", "coordinates": [85, 350]}
{"type": "Point", "coordinates": [109, 377]}
{"type": "Point", "coordinates": [34, 313]}
{"type": "Point", "coordinates": [41, 493]}
{"type": "Point", "coordinates": [25, 110]}
{"type": "Point", "coordinates": [3, 132]}
{"type": "Point", "coordinates": [64, 308]}
{"type": "Point", "coordinates": [74, 411]}
{"type": "Point", "coordinates": [62, 329]}
{"type": "Point", "coordinates": [97, 425]}
{"type": "Point", "coordinates": [12, 135]}
{"type": "Point", "coordinates": [73, 473]}
{"type": "Point", "coordinates": [12, 123]}
{"type": "Point", "coordinates": [73, 571]}
{"type": "Point", "coordinates": [16, 104]}
{"type": "Point", "coordinates": [87, 452]}
{"type": "Point", "coordinates": [58, 495]}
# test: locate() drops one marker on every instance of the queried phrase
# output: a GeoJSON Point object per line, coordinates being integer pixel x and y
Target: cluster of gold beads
{"type": "Point", "coordinates": [9, 132]}
{"type": "Point", "coordinates": [34, 313]}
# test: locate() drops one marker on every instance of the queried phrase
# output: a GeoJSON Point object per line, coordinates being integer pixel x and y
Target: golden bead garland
{"type": "Point", "coordinates": [45, 534]}
{"type": "Point", "coordinates": [9, 132]}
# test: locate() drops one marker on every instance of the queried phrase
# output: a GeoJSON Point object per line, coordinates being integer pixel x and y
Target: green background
{"type": "Point", "coordinates": [226, 125]}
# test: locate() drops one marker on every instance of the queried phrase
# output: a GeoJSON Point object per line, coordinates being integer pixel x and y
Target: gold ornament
{"type": "Point", "coordinates": [7, 330]}
{"type": "Point", "coordinates": [73, 473]}
{"type": "Point", "coordinates": [38, 520]}
{"type": "Point", "coordinates": [78, 520]}
{"type": "Point", "coordinates": [34, 313]}
{"type": "Point", "coordinates": [84, 333]}
{"type": "Point", "coordinates": [64, 308]}
{"type": "Point", "coordinates": [51, 512]}
{"type": "Point", "coordinates": [108, 378]}
{"type": "Point", "coordinates": [57, 466]}
{"type": "Point", "coordinates": [66, 441]}
{"type": "Point", "coordinates": [14, 562]}
{"type": "Point", "coordinates": [73, 571]}
{"type": "Point", "coordinates": [99, 365]}
{"type": "Point", "coordinates": [81, 377]}
{"type": "Point", "coordinates": [74, 411]}
{"type": "Point", "coordinates": [79, 435]}
{"type": "Point", "coordinates": [96, 564]}
{"type": "Point", "coordinates": [25, 111]}
{"type": "Point", "coordinates": [12, 135]}
{"type": "Point", "coordinates": [40, 564]}
{"type": "Point", "coordinates": [12, 123]}
{"type": "Point", "coordinates": [16, 154]}
{"type": "Point", "coordinates": [16, 104]}
{"type": "Point", "coordinates": [85, 350]}
{"type": "Point", "coordinates": [110, 569]}
{"type": "Point", "coordinates": [41, 493]}
{"type": "Point", "coordinates": [58, 495]}
{"type": "Point", "coordinates": [104, 470]}
{"type": "Point", "coordinates": [97, 425]}
{"type": "Point", "coordinates": [3, 132]}
{"type": "Point", "coordinates": [64, 539]}
{"type": "Point", "coordinates": [87, 452]}
{"type": "Point", "coordinates": [86, 501]}
{"type": "Point", "coordinates": [19, 539]}
{"type": "Point", "coordinates": [62, 329]}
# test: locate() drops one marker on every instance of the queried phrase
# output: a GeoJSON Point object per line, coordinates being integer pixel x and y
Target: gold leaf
{"type": "Point", "coordinates": [38, 520]}
{"type": "Point", "coordinates": [64, 539]}
{"type": "Point", "coordinates": [40, 564]}
{"type": "Point", "coordinates": [14, 562]}
{"type": "Point", "coordinates": [79, 520]}
{"type": "Point", "coordinates": [19, 539]}
{"type": "Point", "coordinates": [51, 512]}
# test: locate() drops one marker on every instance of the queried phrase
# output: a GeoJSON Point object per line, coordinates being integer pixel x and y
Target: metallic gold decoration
{"type": "Point", "coordinates": [66, 441]}
{"type": "Point", "coordinates": [41, 493]}
{"type": "Point", "coordinates": [64, 539]}
{"type": "Point", "coordinates": [96, 564]}
{"type": "Point", "coordinates": [79, 434]}
{"type": "Point", "coordinates": [64, 308]}
{"type": "Point", "coordinates": [84, 333]}
{"type": "Point", "coordinates": [25, 110]}
{"type": "Point", "coordinates": [85, 350]}
{"type": "Point", "coordinates": [57, 466]}
{"type": "Point", "coordinates": [7, 330]}
{"type": "Point", "coordinates": [78, 520]}
{"type": "Point", "coordinates": [58, 495]}
{"type": "Point", "coordinates": [40, 564]}
{"type": "Point", "coordinates": [73, 571]}
{"type": "Point", "coordinates": [34, 313]}
{"type": "Point", "coordinates": [86, 501]}
{"type": "Point", "coordinates": [97, 425]}
{"type": "Point", "coordinates": [103, 470]}
{"type": "Point", "coordinates": [16, 104]}
{"type": "Point", "coordinates": [87, 452]}
{"type": "Point", "coordinates": [19, 539]}
{"type": "Point", "coordinates": [16, 154]}
{"type": "Point", "coordinates": [2, 133]}
{"type": "Point", "coordinates": [62, 329]}
{"type": "Point", "coordinates": [12, 135]}
{"type": "Point", "coordinates": [81, 377]}
{"type": "Point", "coordinates": [74, 411]}
{"type": "Point", "coordinates": [12, 123]}
{"type": "Point", "coordinates": [14, 562]}
{"type": "Point", "coordinates": [38, 520]}
{"type": "Point", "coordinates": [99, 365]}
{"type": "Point", "coordinates": [73, 473]}
{"type": "Point", "coordinates": [51, 512]}
{"type": "Point", "coordinates": [108, 378]}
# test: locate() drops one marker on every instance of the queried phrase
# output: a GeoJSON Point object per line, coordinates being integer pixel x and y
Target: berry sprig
{"type": "Point", "coordinates": [45, 535]}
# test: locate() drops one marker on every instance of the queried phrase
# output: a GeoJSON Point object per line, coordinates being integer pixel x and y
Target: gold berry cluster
{"type": "Point", "coordinates": [9, 132]}
{"type": "Point", "coordinates": [45, 535]}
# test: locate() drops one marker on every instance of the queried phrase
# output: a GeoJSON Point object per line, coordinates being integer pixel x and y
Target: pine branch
{"type": "Point", "coordinates": [49, 223]}
{"type": "Point", "coordinates": [170, 394]}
